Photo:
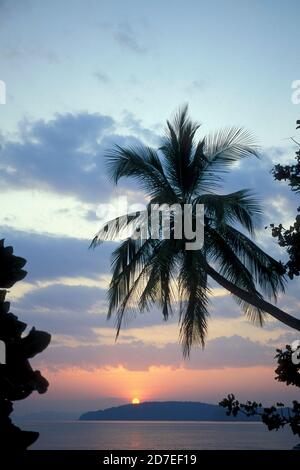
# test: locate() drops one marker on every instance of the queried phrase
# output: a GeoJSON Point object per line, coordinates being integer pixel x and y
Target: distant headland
{"type": "Point", "coordinates": [162, 411]}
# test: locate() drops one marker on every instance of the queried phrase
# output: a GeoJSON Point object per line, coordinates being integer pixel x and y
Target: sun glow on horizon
{"type": "Point", "coordinates": [135, 401]}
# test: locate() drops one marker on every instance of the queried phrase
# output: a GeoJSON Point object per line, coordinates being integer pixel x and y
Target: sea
{"type": "Point", "coordinates": [155, 435]}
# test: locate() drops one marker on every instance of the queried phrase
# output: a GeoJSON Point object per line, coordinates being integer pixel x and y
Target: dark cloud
{"type": "Point", "coordinates": [65, 155]}
{"type": "Point", "coordinates": [256, 174]}
{"type": "Point", "coordinates": [75, 311]}
{"type": "Point", "coordinates": [224, 306]}
{"type": "Point", "coordinates": [63, 298]}
{"type": "Point", "coordinates": [75, 325]}
{"type": "Point", "coordinates": [234, 351]}
{"type": "Point", "coordinates": [65, 310]}
{"type": "Point", "coordinates": [219, 353]}
{"type": "Point", "coordinates": [50, 257]}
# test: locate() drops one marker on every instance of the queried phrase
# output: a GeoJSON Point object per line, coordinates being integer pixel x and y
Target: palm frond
{"type": "Point", "coordinates": [266, 271]}
{"type": "Point", "coordinates": [115, 227]}
{"type": "Point", "coordinates": [177, 148]}
{"type": "Point", "coordinates": [194, 302]}
{"type": "Point", "coordinates": [222, 149]}
{"type": "Point", "coordinates": [254, 314]}
{"type": "Point", "coordinates": [142, 274]}
{"type": "Point", "coordinates": [231, 267]}
{"type": "Point", "coordinates": [142, 164]}
{"type": "Point", "coordinates": [240, 206]}
{"type": "Point", "coordinates": [159, 285]}
{"type": "Point", "coordinates": [134, 291]}
{"type": "Point", "coordinates": [128, 261]}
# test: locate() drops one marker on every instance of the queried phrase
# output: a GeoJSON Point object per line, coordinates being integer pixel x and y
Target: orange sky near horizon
{"type": "Point", "coordinates": [166, 383]}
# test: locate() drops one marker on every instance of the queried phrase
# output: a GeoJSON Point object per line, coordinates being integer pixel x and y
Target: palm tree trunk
{"type": "Point", "coordinates": [262, 304]}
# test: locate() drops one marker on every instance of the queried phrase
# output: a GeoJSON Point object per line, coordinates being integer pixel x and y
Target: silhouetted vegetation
{"type": "Point", "coordinates": [276, 416]}
{"type": "Point", "coordinates": [289, 238]}
{"type": "Point", "coordinates": [17, 378]}
{"type": "Point", "coordinates": [288, 370]}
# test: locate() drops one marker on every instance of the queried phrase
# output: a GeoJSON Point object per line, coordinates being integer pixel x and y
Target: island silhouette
{"type": "Point", "coordinates": [162, 411]}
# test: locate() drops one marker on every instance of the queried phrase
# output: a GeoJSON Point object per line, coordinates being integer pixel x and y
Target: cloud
{"type": "Point", "coordinates": [278, 202]}
{"type": "Point", "coordinates": [223, 306]}
{"type": "Point", "coordinates": [284, 339]}
{"type": "Point", "coordinates": [126, 38]}
{"type": "Point", "coordinates": [222, 352]}
{"type": "Point", "coordinates": [65, 155]}
{"type": "Point", "coordinates": [255, 173]}
{"type": "Point", "coordinates": [63, 298]}
{"type": "Point", "coordinates": [51, 257]}
{"type": "Point", "coordinates": [102, 77]}
{"type": "Point", "coordinates": [135, 126]}
{"type": "Point", "coordinates": [29, 52]}
{"type": "Point", "coordinates": [71, 311]}
{"type": "Point", "coordinates": [65, 291]}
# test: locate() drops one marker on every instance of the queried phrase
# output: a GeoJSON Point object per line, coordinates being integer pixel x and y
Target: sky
{"type": "Point", "coordinates": [81, 76]}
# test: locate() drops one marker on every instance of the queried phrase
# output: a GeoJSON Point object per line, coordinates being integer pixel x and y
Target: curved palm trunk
{"type": "Point", "coordinates": [262, 304]}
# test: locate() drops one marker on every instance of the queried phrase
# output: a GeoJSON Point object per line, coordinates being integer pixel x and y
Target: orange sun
{"type": "Point", "coordinates": [135, 401]}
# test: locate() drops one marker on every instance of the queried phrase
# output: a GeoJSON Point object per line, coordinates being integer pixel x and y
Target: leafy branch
{"type": "Point", "coordinates": [276, 416]}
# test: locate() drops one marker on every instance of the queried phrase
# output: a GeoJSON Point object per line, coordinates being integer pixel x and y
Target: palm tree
{"type": "Point", "coordinates": [163, 271]}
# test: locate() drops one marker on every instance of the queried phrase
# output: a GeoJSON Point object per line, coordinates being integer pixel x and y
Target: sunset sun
{"type": "Point", "coordinates": [135, 401]}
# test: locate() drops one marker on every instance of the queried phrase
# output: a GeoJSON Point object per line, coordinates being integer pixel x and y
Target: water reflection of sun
{"type": "Point", "coordinates": [135, 401]}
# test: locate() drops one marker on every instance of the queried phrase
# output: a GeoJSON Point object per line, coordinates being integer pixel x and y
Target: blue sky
{"type": "Point", "coordinates": [83, 75]}
{"type": "Point", "coordinates": [233, 61]}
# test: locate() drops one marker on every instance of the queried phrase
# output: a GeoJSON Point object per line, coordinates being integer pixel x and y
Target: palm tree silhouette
{"type": "Point", "coordinates": [163, 271]}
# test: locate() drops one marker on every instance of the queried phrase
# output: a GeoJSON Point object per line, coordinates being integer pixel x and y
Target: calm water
{"type": "Point", "coordinates": [158, 435]}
